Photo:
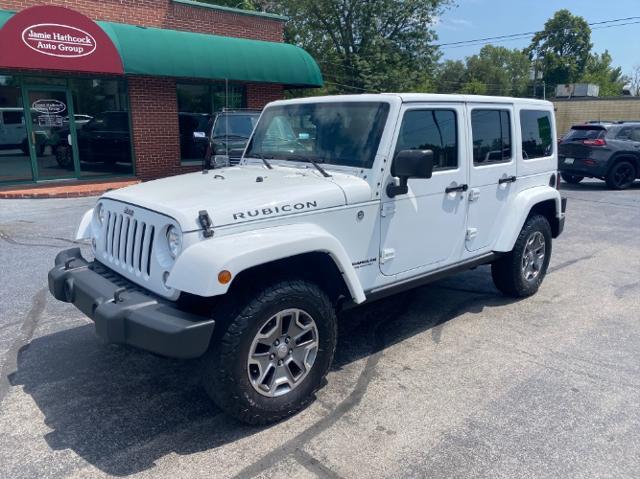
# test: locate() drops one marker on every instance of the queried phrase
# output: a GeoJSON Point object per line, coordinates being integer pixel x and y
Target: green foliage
{"type": "Point", "coordinates": [561, 51]}
{"type": "Point", "coordinates": [494, 71]}
{"type": "Point", "coordinates": [600, 71]}
{"type": "Point", "coordinates": [374, 45]}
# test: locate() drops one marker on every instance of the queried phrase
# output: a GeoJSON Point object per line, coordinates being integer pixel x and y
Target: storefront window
{"type": "Point", "coordinates": [102, 128]}
{"type": "Point", "coordinates": [197, 106]}
{"type": "Point", "coordinates": [15, 162]}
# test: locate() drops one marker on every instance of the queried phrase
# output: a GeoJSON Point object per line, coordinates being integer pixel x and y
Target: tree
{"type": "Point", "coordinates": [367, 45]}
{"type": "Point", "coordinates": [501, 70]}
{"type": "Point", "coordinates": [494, 71]}
{"type": "Point", "coordinates": [561, 51]}
{"type": "Point", "coordinates": [633, 81]}
{"type": "Point", "coordinates": [450, 76]}
{"type": "Point", "coordinates": [600, 72]}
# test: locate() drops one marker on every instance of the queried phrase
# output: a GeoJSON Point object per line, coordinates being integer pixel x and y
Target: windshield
{"type": "Point", "coordinates": [235, 125]}
{"type": "Point", "coordinates": [345, 133]}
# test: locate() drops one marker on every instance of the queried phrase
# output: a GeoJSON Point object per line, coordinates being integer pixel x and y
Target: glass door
{"type": "Point", "coordinates": [51, 133]}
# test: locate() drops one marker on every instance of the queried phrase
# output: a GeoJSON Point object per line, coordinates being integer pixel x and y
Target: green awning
{"type": "Point", "coordinates": [159, 52]}
{"type": "Point", "coordinates": [172, 53]}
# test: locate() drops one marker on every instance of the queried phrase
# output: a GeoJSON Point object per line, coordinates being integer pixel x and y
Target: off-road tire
{"type": "Point", "coordinates": [225, 371]}
{"type": "Point", "coordinates": [571, 179]}
{"type": "Point", "coordinates": [507, 271]}
{"type": "Point", "coordinates": [613, 177]}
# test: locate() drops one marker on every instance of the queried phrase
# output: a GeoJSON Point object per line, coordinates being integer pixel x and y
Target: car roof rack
{"type": "Point", "coordinates": [241, 110]}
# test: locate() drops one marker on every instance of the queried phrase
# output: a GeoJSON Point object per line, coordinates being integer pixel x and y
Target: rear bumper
{"type": "Point", "coordinates": [580, 167]}
{"type": "Point", "coordinates": [126, 314]}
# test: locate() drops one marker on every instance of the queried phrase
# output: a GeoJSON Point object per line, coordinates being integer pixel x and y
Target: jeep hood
{"type": "Point", "coordinates": [244, 193]}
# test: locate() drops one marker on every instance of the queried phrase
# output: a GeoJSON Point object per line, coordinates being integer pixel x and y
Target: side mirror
{"type": "Point", "coordinates": [409, 164]}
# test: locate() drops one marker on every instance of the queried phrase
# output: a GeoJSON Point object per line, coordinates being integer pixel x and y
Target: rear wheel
{"type": "Point", "coordinates": [621, 175]}
{"type": "Point", "coordinates": [520, 272]}
{"type": "Point", "coordinates": [274, 354]}
{"type": "Point", "coordinates": [571, 179]}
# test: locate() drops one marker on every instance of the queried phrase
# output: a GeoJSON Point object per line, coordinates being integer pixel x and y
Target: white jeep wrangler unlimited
{"type": "Point", "coordinates": [337, 201]}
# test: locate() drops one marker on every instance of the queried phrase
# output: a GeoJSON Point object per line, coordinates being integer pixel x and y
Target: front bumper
{"type": "Point", "coordinates": [124, 313]}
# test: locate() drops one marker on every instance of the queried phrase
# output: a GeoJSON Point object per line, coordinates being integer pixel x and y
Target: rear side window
{"type": "Point", "coordinates": [434, 130]}
{"type": "Point", "coordinates": [491, 131]}
{"type": "Point", "coordinates": [629, 133]}
{"type": "Point", "coordinates": [535, 126]}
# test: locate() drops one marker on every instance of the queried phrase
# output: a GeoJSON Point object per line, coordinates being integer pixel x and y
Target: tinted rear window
{"type": "Point", "coordinates": [584, 134]}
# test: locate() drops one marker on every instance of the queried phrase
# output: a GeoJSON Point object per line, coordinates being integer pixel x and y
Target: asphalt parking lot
{"type": "Point", "coordinates": [453, 380]}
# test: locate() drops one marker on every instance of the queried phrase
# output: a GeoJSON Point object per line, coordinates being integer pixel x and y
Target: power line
{"type": "Point", "coordinates": [523, 35]}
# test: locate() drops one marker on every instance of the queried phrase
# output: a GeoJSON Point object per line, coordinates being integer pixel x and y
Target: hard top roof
{"type": "Point", "coordinates": [418, 97]}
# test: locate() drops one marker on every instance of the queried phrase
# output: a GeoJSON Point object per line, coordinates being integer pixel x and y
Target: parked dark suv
{"type": "Point", "coordinates": [607, 151]}
{"type": "Point", "coordinates": [231, 131]}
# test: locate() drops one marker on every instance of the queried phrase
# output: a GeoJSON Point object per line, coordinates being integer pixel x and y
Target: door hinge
{"type": "Point", "coordinates": [471, 233]}
{"type": "Point", "coordinates": [388, 209]}
{"type": "Point", "coordinates": [387, 254]}
{"type": "Point", "coordinates": [474, 194]}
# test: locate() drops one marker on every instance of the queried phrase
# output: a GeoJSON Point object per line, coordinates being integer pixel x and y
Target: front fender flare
{"type": "Point", "coordinates": [196, 269]}
{"type": "Point", "coordinates": [519, 210]}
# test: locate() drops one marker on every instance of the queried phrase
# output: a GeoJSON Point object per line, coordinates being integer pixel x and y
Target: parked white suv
{"type": "Point", "coordinates": [365, 196]}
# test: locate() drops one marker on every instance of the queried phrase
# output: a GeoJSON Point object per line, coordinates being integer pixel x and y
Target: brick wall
{"type": "Point", "coordinates": [167, 14]}
{"type": "Point", "coordinates": [259, 94]}
{"type": "Point", "coordinates": [571, 112]}
{"type": "Point", "coordinates": [154, 117]}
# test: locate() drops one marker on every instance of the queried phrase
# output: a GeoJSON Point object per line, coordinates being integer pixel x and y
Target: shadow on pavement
{"type": "Point", "coordinates": [121, 409]}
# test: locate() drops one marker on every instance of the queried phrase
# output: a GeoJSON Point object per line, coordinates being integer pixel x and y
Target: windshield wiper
{"type": "Point", "coordinates": [313, 161]}
{"type": "Point", "coordinates": [266, 162]}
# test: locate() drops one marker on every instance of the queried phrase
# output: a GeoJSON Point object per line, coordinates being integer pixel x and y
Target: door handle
{"type": "Point", "coordinates": [451, 189]}
{"type": "Point", "coordinates": [508, 179]}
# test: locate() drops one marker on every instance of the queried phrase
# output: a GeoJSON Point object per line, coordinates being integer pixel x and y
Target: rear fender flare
{"type": "Point", "coordinates": [519, 211]}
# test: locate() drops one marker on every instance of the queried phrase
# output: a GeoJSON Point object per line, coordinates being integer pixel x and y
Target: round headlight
{"type": "Point", "coordinates": [100, 214]}
{"type": "Point", "coordinates": [174, 241]}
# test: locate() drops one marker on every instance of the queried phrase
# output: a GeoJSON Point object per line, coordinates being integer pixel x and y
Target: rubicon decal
{"type": "Point", "coordinates": [274, 210]}
{"type": "Point", "coordinates": [59, 40]}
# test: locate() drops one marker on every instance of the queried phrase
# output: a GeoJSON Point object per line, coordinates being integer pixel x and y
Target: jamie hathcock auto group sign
{"type": "Point", "coordinates": [59, 40]}
{"type": "Point", "coordinates": [52, 38]}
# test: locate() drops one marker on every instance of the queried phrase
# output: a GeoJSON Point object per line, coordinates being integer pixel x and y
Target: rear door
{"type": "Point", "coordinates": [492, 172]}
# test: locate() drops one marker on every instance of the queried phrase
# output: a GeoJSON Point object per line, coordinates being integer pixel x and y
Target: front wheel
{"type": "Point", "coordinates": [520, 272]}
{"type": "Point", "coordinates": [274, 354]}
{"type": "Point", "coordinates": [571, 179]}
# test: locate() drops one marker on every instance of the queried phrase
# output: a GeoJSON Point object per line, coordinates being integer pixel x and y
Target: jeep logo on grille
{"type": "Point", "coordinates": [128, 211]}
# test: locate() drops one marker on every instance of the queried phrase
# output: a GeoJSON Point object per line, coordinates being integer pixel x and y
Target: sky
{"type": "Point", "coordinates": [472, 19]}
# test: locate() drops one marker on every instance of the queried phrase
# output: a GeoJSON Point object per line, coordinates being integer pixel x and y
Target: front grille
{"type": "Point", "coordinates": [128, 242]}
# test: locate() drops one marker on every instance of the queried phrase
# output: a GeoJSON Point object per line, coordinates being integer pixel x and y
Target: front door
{"type": "Point", "coordinates": [492, 173]}
{"type": "Point", "coordinates": [50, 133]}
{"type": "Point", "coordinates": [425, 228]}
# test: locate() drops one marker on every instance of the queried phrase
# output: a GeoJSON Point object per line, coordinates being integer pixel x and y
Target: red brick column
{"type": "Point", "coordinates": [154, 118]}
{"type": "Point", "coordinates": [259, 94]}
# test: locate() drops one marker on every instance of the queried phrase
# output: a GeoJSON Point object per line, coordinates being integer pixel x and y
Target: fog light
{"type": "Point", "coordinates": [224, 277]}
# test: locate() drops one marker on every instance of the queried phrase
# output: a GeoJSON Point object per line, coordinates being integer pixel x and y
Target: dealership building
{"type": "Point", "coordinates": [98, 89]}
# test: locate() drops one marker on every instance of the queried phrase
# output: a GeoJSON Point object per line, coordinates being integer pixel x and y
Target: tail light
{"type": "Point", "coordinates": [596, 142]}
